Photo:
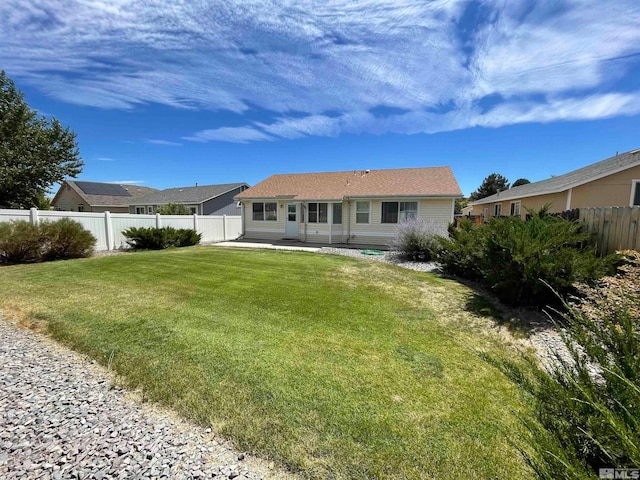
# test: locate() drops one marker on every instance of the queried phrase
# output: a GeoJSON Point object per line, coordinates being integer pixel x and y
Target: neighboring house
{"type": "Point", "coordinates": [201, 199]}
{"type": "Point", "coordinates": [614, 182]}
{"type": "Point", "coordinates": [79, 196]}
{"type": "Point", "coordinates": [362, 206]}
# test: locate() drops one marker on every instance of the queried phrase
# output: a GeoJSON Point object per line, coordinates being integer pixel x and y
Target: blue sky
{"type": "Point", "coordinates": [173, 93]}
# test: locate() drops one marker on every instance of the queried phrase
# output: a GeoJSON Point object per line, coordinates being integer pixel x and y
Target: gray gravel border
{"type": "Point", "coordinates": [61, 417]}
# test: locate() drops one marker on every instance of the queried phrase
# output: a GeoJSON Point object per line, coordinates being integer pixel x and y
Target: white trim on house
{"type": "Point", "coordinates": [417, 202]}
{"type": "Point", "coordinates": [369, 214]}
{"type": "Point", "coordinates": [512, 209]}
{"type": "Point", "coordinates": [562, 188]}
{"type": "Point", "coordinates": [634, 186]}
{"type": "Point", "coordinates": [374, 234]}
{"type": "Point", "coordinates": [569, 195]}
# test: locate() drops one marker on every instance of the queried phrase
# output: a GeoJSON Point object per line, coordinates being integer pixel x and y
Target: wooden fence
{"type": "Point", "coordinates": [613, 228]}
{"type": "Point", "coordinates": [107, 227]}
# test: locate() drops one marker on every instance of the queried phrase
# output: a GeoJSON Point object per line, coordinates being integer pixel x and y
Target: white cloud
{"type": "Point", "coordinates": [348, 58]}
{"type": "Point", "coordinates": [105, 159]}
{"type": "Point", "coordinates": [128, 182]}
{"type": "Point", "coordinates": [229, 134]}
{"type": "Point", "coordinates": [166, 143]}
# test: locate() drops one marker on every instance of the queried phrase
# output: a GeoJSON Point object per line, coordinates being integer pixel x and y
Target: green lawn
{"type": "Point", "coordinates": [331, 366]}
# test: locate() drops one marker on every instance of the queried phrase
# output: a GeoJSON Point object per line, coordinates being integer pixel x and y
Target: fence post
{"type": "Point", "coordinates": [158, 221]}
{"type": "Point", "coordinates": [195, 222]}
{"type": "Point", "coordinates": [224, 227]}
{"type": "Point", "coordinates": [33, 215]}
{"type": "Point", "coordinates": [108, 227]}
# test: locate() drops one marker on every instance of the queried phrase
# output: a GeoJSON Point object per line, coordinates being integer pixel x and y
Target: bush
{"type": "Point", "coordinates": [65, 239]}
{"type": "Point", "coordinates": [416, 240]}
{"type": "Point", "coordinates": [517, 259]}
{"type": "Point", "coordinates": [151, 238]}
{"type": "Point", "coordinates": [174, 209]}
{"type": "Point", "coordinates": [586, 407]}
{"type": "Point", "coordinates": [22, 242]}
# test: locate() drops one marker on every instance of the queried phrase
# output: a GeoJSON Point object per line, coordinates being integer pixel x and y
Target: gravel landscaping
{"type": "Point", "coordinates": [61, 417]}
{"type": "Point", "coordinates": [389, 257]}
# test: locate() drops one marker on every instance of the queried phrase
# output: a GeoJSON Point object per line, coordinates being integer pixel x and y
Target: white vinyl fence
{"type": "Point", "coordinates": [107, 227]}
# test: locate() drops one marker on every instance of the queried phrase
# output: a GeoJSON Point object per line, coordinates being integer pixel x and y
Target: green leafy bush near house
{"type": "Point", "coordinates": [517, 259]}
{"type": "Point", "coordinates": [23, 242]}
{"type": "Point", "coordinates": [416, 240]}
{"type": "Point", "coordinates": [151, 238]}
{"type": "Point", "coordinates": [586, 405]}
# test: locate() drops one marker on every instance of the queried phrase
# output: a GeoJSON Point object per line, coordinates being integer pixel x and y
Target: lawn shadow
{"type": "Point", "coordinates": [520, 321]}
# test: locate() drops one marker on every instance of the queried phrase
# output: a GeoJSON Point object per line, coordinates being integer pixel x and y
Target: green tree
{"type": "Point", "coordinates": [491, 185]}
{"type": "Point", "coordinates": [34, 153]}
{"type": "Point", "coordinates": [520, 181]}
{"type": "Point", "coordinates": [174, 209]}
{"type": "Point", "coordinates": [460, 204]}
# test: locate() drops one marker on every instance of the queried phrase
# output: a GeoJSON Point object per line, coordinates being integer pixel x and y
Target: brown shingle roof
{"type": "Point", "coordinates": [401, 182]}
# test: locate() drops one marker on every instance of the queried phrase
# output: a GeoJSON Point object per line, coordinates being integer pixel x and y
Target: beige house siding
{"type": "Point", "coordinates": [611, 191]}
{"type": "Point", "coordinates": [266, 229]}
{"type": "Point", "coordinates": [557, 203]}
{"type": "Point", "coordinates": [437, 212]}
{"type": "Point", "coordinates": [68, 200]}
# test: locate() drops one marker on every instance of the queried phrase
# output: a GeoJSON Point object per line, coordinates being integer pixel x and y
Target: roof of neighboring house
{"type": "Point", "coordinates": [401, 182]}
{"type": "Point", "coordinates": [105, 194]}
{"type": "Point", "coordinates": [198, 194]}
{"type": "Point", "coordinates": [561, 183]}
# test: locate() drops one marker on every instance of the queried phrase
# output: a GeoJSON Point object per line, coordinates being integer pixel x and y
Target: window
{"type": "Point", "coordinates": [194, 210]}
{"type": "Point", "coordinates": [515, 209]}
{"type": "Point", "coordinates": [362, 212]}
{"type": "Point", "coordinates": [317, 212]}
{"type": "Point", "coordinates": [497, 210]}
{"type": "Point", "coordinates": [267, 211]}
{"type": "Point", "coordinates": [149, 209]}
{"type": "Point", "coordinates": [635, 193]}
{"type": "Point", "coordinates": [337, 214]}
{"type": "Point", "coordinates": [140, 210]}
{"type": "Point", "coordinates": [394, 212]}
{"type": "Point", "coordinates": [81, 207]}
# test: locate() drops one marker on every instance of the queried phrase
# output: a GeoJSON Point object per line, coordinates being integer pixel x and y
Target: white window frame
{"type": "Point", "coordinates": [333, 213]}
{"type": "Point", "coordinates": [150, 209]}
{"type": "Point", "coordinates": [497, 210]}
{"type": "Point", "coordinates": [318, 212]}
{"type": "Point", "coordinates": [81, 207]}
{"type": "Point", "coordinates": [635, 184]}
{"type": "Point", "coordinates": [512, 209]}
{"type": "Point", "coordinates": [140, 210]}
{"type": "Point", "coordinates": [399, 219]}
{"type": "Point", "coordinates": [368, 202]}
{"type": "Point", "coordinates": [264, 212]}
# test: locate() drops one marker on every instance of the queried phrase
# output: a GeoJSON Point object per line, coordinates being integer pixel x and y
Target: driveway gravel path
{"type": "Point", "coordinates": [62, 418]}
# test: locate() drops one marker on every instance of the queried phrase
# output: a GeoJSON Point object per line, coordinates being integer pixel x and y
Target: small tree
{"type": "Point", "coordinates": [35, 153]}
{"type": "Point", "coordinates": [491, 185]}
{"type": "Point", "coordinates": [460, 204]}
{"type": "Point", "coordinates": [174, 209]}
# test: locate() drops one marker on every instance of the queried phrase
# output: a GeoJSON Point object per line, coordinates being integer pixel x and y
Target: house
{"type": "Point", "coordinates": [613, 182]}
{"type": "Point", "coordinates": [79, 196]}
{"type": "Point", "coordinates": [358, 206]}
{"type": "Point", "coordinates": [201, 199]}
